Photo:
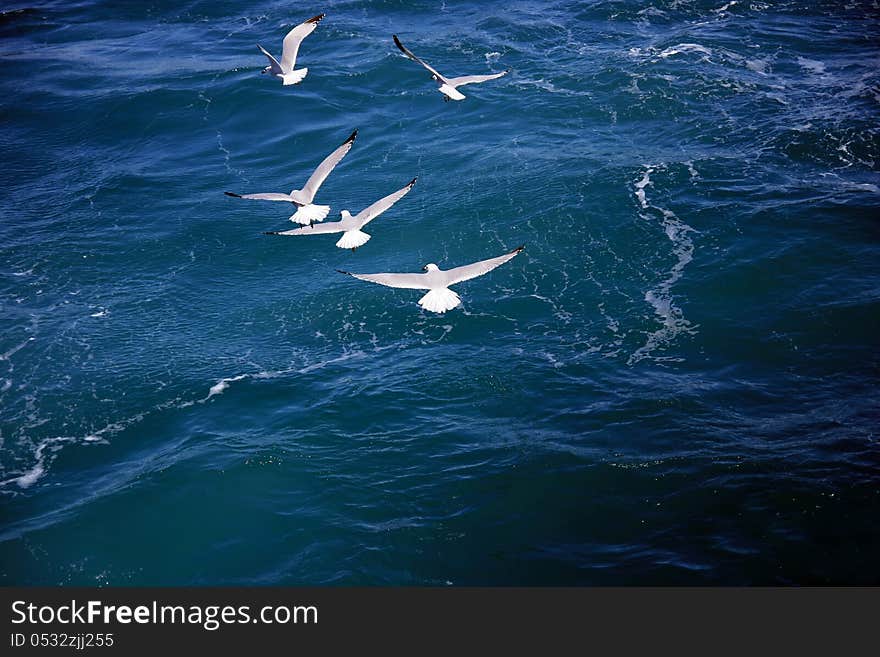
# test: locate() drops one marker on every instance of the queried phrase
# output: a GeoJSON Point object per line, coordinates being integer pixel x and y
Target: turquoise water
{"type": "Point", "coordinates": [675, 383]}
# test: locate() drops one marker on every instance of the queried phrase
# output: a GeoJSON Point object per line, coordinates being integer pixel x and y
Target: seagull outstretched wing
{"type": "Point", "coordinates": [266, 196]}
{"type": "Point", "coordinates": [467, 272]}
{"type": "Point", "coordinates": [472, 79]}
{"type": "Point", "coordinates": [366, 215]}
{"type": "Point", "coordinates": [324, 169]}
{"type": "Point", "coordinates": [290, 45]}
{"type": "Point", "coordinates": [409, 54]}
{"type": "Point", "coordinates": [273, 63]}
{"type": "Point", "coordinates": [317, 229]}
{"type": "Point", "coordinates": [405, 281]}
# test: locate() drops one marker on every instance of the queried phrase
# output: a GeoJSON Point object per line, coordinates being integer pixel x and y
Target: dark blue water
{"type": "Point", "coordinates": [675, 383]}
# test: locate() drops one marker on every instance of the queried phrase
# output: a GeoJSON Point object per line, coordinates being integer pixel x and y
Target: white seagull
{"type": "Point", "coordinates": [439, 298]}
{"type": "Point", "coordinates": [307, 213]}
{"type": "Point", "coordinates": [448, 85]}
{"type": "Point", "coordinates": [350, 226]}
{"type": "Point", "coordinates": [289, 47]}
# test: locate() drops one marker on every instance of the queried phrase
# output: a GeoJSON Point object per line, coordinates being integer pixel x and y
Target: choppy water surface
{"type": "Point", "coordinates": [675, 383]}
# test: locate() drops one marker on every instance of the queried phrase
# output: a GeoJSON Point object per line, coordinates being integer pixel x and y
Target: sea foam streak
{"type": "Point", "coordinates": [660, 296]}
{"type": "Point", "coordinates": [42, 460]}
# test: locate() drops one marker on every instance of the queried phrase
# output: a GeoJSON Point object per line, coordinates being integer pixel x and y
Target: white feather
{"type": "Point", "coordinates": [294, 77]}
{"type": "Point", "coordinates": [440, 300]}
{"type": "Point", "coordinates": [352, 239]}
{"type": "Point", "coordinates": [452, 92]}
{"type": "Point", "coordinates": [309, 213]}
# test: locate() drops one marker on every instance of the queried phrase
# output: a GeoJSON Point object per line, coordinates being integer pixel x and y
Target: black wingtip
{"type": "Point", "coordinates": [271, 232]}
{"type": "Point", "coordinates": [232, 194]}
{"type": "Point", "coordinates": [519, 248]}
{"type": "Point", "coordinates": [412, 182]}
{"type": "Point", "coordinates": [351, 137]}
{"type": "Point", "coordinates": [316, 19]}
{"type": "Point", "coordinates": [398, 43]}
{"type": "Point", "coordinates": [344, 272]}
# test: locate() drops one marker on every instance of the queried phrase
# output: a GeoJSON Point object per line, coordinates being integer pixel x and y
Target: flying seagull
{"type": "Point", "coordinates": [448, 85]}
{"type": "Point", "coordinates": [289, 47]}
{"type": "Point", "coordinates": [350, 226]}
{"type": "Point", "coordinates": [439, 298]}
{"type": "Point", "coordinates": [307, 213]}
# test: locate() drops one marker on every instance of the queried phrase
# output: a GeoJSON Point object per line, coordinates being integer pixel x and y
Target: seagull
{"type": "Point", "coordinates": [350, 226]}
{"type": "Point", "coordinates": [439, 298]}
{"type": "Point", "coordinates": [448, 85]}
{"type": "Point", "coordinates": [307, 213]}
{"type": "Point", "coordinates": [289, 47]}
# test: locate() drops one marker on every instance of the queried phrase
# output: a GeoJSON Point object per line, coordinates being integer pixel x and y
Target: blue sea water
{"type": "Point", "coordinates": [675, 383]}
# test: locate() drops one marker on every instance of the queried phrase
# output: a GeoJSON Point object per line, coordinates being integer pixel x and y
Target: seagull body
{"type": "Point", "coordinates": [350, 226]}
{"type": "Point", "coordinates": [307, 212]}
{"type": "Point", "coordinates": [284, 70]}
{"type": "Point", "coordinates": [448, 86]}
{"type": "Point", "coordinates": [439, 298]}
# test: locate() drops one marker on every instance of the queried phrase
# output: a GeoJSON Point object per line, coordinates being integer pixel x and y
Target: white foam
{"type": "Point", "coordinates": [116, 427]}
{"type": "Point", "coordinates": [640, 187]}
{"type": "Point", "coordinates": [40, 464]}
{"type": "Point", "coordinates": [682, 48]}
{"type": "Point", "coordinates": [651, 11]}
{"type": "Point", "coordinates": [227, 156]}
{"type": "Point", "coordinates": [550, 358]}
{"type": "Point", "coordinates": [811, 65]}
{"type": "Point", "coordinates": [757, 65]}
{"type": "Point", "coordinates": [864, 187]}
{"type": "Point", "coordinates": [339, 359]}
{"type": "Point", "coordinates": [549, 87]}
{"type": "Point", "coordinates": [30, 477]}
{"type": "Point", "coordinates": [16, 348]}
{"type": "Point", "coordinates": [219, 387]}
{"type": "Point", "coordinates": [660, 297]}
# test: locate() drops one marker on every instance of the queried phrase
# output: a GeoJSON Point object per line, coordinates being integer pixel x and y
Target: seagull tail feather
{"type": "Point", "coordinates": [294, 77]}
{"type": "Point", "coordinates": [439, 301]}
{"type": "Point", "coordinates": [308, 214]}
{"type": "Point", "coordinates": [352, 239]}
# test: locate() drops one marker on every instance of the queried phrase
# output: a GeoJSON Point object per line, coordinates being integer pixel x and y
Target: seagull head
{"type": "Point", "coordinates": [431, 267]}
